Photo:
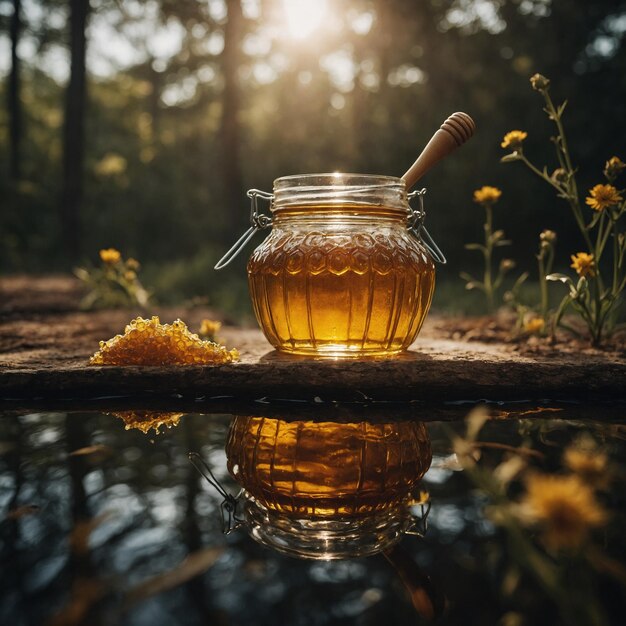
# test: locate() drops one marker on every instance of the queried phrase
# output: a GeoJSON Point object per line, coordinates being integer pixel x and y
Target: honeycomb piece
{"type": "Point", "coordinates": [148, 342]}
{"type": "Point", "coordinates": [145, 420]}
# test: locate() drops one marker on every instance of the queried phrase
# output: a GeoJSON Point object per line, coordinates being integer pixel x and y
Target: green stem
{"type": "Point", "coordinates": [488, 256]}
{"type": "Point", "coordinates": [616, 259]}
{"type": "Point", "coordinates": [543, 284]}
{"type": "Point", "coordinates": [557, 120]}
{"type": "Point", "coordinates": [570, 194]}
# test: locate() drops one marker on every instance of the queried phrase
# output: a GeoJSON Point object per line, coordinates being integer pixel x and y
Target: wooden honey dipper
{"type": "Point", "coordinates": [452, 134]}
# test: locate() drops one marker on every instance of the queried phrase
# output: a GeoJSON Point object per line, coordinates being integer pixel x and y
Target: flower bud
{"type": "Point", "coordinates": [548, 236]}
{"type": "Point", "coordinates": [613, 167]}
{"type": "Point", "coordinates": [559, 175]}
{"type": "Point", "coordinates": [539, 82]}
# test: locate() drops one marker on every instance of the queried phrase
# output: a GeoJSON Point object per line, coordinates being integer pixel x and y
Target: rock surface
{"type": "Point", "coordinates": [45, 344]}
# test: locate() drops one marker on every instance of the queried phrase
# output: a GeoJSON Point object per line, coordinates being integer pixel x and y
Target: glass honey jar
{"type": "Point", "coordinates": [327, 489]}
{"type": "Point", "coordinates": [345, 271]}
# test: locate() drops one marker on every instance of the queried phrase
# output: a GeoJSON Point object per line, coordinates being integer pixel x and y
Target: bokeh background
{"type": "Point", "coordinates": [140, 124]}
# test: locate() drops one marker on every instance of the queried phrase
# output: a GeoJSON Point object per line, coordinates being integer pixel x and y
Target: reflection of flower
{"type": "Point", "coordinates": [514, 139]}
{"type": "Point", "coordinates": [583, 263]}
{"type": "Point", "coordinates": [110, 256]}
{"type": "Point", "coordinates": [534, 325]}
{"type": "Point", "coordinates": [487, 195]}
{"type": "Point", "coordinates": [591, 465]}
{"type": "Point", "coordinates": [602, 197]}
{"type": "Point", "coordinates": [564, 507]}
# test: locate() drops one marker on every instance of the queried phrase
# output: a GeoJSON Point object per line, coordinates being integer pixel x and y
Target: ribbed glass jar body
{"type": "Point", "coordinates": [340, 274]}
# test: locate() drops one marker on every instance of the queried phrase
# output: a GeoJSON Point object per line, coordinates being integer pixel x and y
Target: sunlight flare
{"type": "Point", "coordinates": [304, 17]}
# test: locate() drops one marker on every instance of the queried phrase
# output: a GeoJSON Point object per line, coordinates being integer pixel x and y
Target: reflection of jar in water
{"type": "Point", "coordinates": [340, 274]}
{"type": "Point", "coordinates": [350, 482]}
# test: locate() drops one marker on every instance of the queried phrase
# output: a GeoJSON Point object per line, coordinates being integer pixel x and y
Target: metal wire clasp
{"type": "Point", "coordinates": [416, 226]}
{"type": "Point", "coordinates": [258, 221]}
{"type": "Point", "coordinates": [419, 524]}
{"type": "Point", "coordinates": [230, 504]}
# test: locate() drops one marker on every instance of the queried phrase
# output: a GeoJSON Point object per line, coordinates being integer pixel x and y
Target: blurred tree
{"type": "Point", "coordinates": [14, 104]}
{"type": "Point", "coordinates": [189, 101]}
{"type": "Point", "coordinates": [230, 161]}
{"type": "Point", "coordinates": [74, 131]}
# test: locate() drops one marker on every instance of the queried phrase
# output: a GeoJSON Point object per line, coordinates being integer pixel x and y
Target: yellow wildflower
{"type": "Point", "coordinates": [564, 507]}
{"type": "Point", "coordinates": [534, 325]}
{"type": "Point", "coordinates": [514, 139]}
{"type": "Point", "coordinates": [487, 195]}
{"type": "Point", "coordinates": [584, 264]}
{"type": "Point", "coordinates": [111, 256]}
{"type": "Point", "coordinates": [613, 167]}
{"type": "Point", "coordinates": [602, 197]}
{"type": "Point", "coordinates": [209, 328]}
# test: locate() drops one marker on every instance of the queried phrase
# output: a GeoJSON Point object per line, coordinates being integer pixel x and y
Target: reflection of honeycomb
{"type": "Point", "coordinates": [148, 342]}
{"type": "Point", "coordinates": [145, 420]}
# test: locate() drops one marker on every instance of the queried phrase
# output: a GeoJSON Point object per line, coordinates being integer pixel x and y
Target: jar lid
{"type": "Point", "coordinates": [338, 189]}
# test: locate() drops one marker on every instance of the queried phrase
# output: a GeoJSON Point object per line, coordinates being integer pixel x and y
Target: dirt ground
{"type": "Point", "coordinates": [46, 341]}
{"type": "Point", "coordinates": [23, 297]}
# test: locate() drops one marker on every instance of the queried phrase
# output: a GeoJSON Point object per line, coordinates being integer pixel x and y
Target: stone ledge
{"type": "Point", "coordinates": [46, 356]}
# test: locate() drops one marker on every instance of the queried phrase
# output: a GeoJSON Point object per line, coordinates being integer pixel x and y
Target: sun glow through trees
{"type": "Point", "coordinates": [304, 17]}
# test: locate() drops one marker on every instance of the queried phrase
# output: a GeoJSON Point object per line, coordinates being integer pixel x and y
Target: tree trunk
{"type": "Point", "coordinates": [14, 105]}
{"type": "Point", "coordinates": [230, 160]}
{"type": "Point", "coordinates": [74, 131]}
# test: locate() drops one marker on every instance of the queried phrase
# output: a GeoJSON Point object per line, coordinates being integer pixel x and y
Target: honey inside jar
{"type": "Point", "coordinates": [342, 276]}
{"type": "Point", "coordinates": [326, 469]}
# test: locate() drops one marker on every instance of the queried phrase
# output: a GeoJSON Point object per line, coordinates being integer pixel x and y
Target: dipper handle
{"type": "Point", "coordinates": [452, 134]}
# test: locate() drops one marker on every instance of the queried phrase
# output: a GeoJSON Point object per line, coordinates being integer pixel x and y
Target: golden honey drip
{"type": "Point", "coordinates": [348, 288]}
{"type": "Point", "coordinates": [146, 420]}
{"type": "Point", "coordinates": [148, 342]}
{"type": "Point", "coordinates": [325, 469]}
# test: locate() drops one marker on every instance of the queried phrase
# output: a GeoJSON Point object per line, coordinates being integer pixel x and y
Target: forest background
{"type": "Point", "coordinates": [140, 125]}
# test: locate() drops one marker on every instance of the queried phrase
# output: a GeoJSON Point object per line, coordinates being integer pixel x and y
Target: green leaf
{"type": "Point", "coordinates": [474, 246]}
{"type": "Point", "coordinates": [509, 158]}
{"type": "Point", "coordinates": [560, 277]}
{"type": "Point", "coordinates": [594, 220]}
{"type": "Point", "coordinates": [518, 283]}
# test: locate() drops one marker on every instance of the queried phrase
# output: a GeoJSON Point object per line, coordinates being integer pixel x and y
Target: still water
{"type": "Point", "coordinates": [102, 523]}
